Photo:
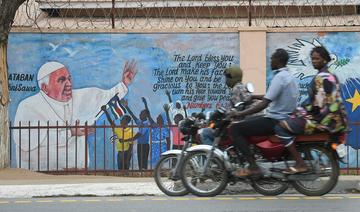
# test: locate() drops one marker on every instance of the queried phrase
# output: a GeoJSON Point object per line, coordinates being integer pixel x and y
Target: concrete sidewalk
{"type": "Point", "coordinates": [21, 183]}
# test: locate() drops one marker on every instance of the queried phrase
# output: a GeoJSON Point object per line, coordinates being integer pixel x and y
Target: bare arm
{"type": "Point", "coordinates": [168, 95]}
{"type": "Point", "coordinates": [166, 108]}
{"type": "Point", "coordinates": [260, 97]}
{"type": "Point", "coordinates": [148, 111]}
{"type": "Point", "coordinates": [186, 115]}
{"type": "Point", "coordinates": [131, 139]}
{"type": "Point", "coordinates": [125, 103]}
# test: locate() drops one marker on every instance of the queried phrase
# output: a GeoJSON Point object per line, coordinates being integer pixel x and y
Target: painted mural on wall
{"type": "Point", "coordinates": [344, 50]}
{"type": "Point", "coordinates": [65, 79]}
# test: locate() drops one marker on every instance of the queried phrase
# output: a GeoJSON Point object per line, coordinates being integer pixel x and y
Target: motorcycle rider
{"type": "Point", "coordinates": [238, 93]}
{"type": "Point", "coordinates": [280, 101]}
{"type": "Point", "coordinates": [323, 111]}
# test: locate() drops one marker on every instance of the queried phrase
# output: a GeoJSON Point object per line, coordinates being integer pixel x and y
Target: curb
{"type": "Point", "coordinates": [135, 189]}
{"type": "Point", "coordinates": [85, 189]}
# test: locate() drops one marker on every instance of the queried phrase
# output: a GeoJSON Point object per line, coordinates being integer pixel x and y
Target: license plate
{"type": "Point", "coordinates": [341, 150]}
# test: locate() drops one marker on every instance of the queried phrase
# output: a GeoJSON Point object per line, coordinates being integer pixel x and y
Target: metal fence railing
{"type": "Point", "coordinates": [52, 149]}
{"type": "Point", "coordinates": [352, 166]}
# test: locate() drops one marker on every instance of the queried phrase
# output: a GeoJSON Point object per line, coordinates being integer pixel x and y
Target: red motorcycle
{"type": "Point", "coordinates": [207, 169]}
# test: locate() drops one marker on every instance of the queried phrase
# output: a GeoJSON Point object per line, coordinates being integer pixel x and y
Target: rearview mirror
{"type": "Point", "coordinates": [208, 114]}
{"type": "Point", "coordinates": [250, 87]}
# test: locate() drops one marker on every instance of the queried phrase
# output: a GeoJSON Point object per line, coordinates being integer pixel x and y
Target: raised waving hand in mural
{"type": "Point", "coordinates": [126, 105]}
{"type": "Point", "coordinates": [129, 72]}
{"type": "Point", "coordinates": [151, 120]}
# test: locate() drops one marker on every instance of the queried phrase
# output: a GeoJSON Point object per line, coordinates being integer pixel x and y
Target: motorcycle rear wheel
{"type": "Point", "coordinates": [212, 183]}
{"type": "Point", "coordinates": [162, 176]}
{"type": "Point", "coordinates": [269, 187]}
{"type": "Point", "coordinates": [328, 176]}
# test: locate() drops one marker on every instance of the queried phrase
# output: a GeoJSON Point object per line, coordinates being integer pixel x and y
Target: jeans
{"type": "Point", "coordinates": [207, 136]}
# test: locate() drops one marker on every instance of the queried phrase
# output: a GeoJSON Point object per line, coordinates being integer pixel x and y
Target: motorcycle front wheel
{"type": "Point", "coordinates": [325, 166]}
{"type": "Point", "coordinates": [163, 177]}
{"type": "Point", "coordinates": [203, 184]}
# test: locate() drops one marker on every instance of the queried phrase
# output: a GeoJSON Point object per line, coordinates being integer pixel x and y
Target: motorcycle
{"type": "Point", "coordinates": [167, 169]}
{"type": "Point", "coordinates": [207, 169]}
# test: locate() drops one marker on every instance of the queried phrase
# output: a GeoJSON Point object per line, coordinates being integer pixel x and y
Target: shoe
{"type": "Point", "coordinates": [296, 170]}
{"type": "Point", "coordinates": [241, 172]}
{"type": "Point", "coordinates": [247, 173]}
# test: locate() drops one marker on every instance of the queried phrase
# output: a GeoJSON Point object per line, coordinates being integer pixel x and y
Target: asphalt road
{"type": "Point", "coordinates": [288, 203]}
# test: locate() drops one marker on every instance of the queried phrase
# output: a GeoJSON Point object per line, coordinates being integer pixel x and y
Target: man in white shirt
{"type": "Point", "coordinates": [57, 103]}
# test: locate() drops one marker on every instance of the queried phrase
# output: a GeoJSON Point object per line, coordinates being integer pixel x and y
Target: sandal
{"type": "Point", "coordinates": [295, 170]}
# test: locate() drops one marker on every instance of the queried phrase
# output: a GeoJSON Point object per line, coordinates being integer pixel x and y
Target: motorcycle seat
{"type": "Point", "coordinates": [305, 138]}
{"type": "Point", "coordinates": [314, 137]}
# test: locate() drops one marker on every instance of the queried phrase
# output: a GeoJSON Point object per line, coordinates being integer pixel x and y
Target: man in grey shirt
{"type": "Point", "coordinates": [280, 101]}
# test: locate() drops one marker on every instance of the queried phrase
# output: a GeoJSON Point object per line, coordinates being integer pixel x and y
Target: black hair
{"type": "Point", "coordinates": [322, 51]}
{"type": "Point", "coordinates": [282, 56]}
{"type": "Point", "coordinates": [127, 117]}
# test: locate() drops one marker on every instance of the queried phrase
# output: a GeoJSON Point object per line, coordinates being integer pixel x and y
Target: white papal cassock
{"type": "Point", "coordinates": [83, 106]}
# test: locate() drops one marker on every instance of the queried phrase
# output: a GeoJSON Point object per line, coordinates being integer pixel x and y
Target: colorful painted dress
{"type": "Point", "coordinates": [324, 110]}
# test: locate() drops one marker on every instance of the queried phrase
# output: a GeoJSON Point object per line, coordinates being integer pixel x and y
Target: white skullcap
{"type": "Point", "coordinates": [48, 68]}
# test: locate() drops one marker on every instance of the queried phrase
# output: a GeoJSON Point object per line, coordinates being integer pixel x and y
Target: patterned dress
{"type": "Point", "coordinates": [323, 111]}
{"type": "Point", "coordinates": [158, 144]}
